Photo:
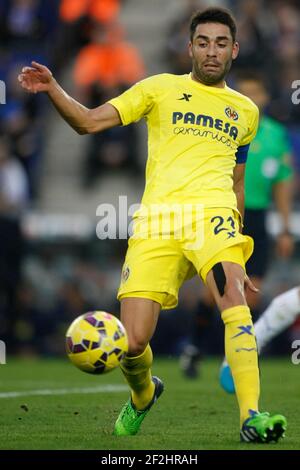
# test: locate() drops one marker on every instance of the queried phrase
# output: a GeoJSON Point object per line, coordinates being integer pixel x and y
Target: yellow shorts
{"type": "Point", "coordinates": [156, 268]}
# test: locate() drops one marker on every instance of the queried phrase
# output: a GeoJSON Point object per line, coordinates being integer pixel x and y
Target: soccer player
{"type": "Point", "coordinates": [199, 131]}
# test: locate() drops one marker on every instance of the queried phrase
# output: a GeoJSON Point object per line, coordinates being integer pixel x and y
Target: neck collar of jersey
{"type": "Point", "coordinates": [206, 87]}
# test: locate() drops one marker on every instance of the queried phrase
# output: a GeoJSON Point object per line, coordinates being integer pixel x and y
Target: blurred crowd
{"type": "Point", "coordinates": [40, 290]}
{"type": "Point", "coordinates": [86, 34]}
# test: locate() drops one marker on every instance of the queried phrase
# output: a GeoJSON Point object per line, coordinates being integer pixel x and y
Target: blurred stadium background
{"type": "Point", "coordinates": [52, 265]}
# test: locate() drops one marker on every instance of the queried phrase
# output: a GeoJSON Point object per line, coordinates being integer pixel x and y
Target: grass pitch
{"type": "Point", "coordinates": [48, 404]}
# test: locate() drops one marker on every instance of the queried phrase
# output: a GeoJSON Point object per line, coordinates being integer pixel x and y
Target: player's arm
{"type": "Point", "coordinates": [39, 78]}
{"type": "Point", "coordinates": [239, 179]}
{"type": "Point", "coordinates": [239, 187]}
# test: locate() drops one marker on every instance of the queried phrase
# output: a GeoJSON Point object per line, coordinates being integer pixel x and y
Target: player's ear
{"type": "Point", "coordinates": [235, 50]}
{"type": "Point", "coordinates": [190, 49]}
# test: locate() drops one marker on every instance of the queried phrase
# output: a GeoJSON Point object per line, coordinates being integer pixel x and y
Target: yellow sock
{"type": "Point", "coordinates": [138, 375]}
{"type": "Point", "coordinates": [241, 355]}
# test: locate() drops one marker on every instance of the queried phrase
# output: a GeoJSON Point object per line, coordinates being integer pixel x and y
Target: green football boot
{"type": "Point", "coordinates": [130, 419]}
{"type": "Point", "coordinates": [261, 427]}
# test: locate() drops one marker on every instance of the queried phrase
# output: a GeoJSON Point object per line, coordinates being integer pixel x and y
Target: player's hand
{"type": "Point", "coordinates": [36, 78]}
{"type": "Point", "coordinates": [285, 245]}
{"type": "Point", "coordinates": [249, 284]}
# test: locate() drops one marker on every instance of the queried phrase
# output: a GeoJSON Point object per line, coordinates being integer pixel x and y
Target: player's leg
{"type": "Point", "coordinates": [139, 316]}
{"type": "Point", "coordinates": [152, 274]}
{"type": "Point", "coordinates": [254, 226]}
{"type": "Point", "coordinates": [279, 315]}
{"type": "Point", "coordinates": [282, 311]}
{"type": "Point", "coordinates": [253, 302]}
{"type": "Point", "coordinates": [226, 281]}
{"type": "Point", "coordinates": [221, 264]}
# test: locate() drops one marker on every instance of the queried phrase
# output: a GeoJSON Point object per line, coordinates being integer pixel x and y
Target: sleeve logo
{"type": "Point", "coordinates": [125, 274]}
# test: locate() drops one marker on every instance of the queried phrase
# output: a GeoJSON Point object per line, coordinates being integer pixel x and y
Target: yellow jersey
{"type": "Point", "coordinates": [194, 133]}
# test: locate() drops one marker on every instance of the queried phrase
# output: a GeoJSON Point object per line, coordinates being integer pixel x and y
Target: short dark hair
{"type": "Point", "coordinates": [213, 15]}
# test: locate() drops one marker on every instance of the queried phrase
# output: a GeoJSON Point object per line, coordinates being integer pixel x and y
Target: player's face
{"type": "Point", "coordinates": [212, 51]}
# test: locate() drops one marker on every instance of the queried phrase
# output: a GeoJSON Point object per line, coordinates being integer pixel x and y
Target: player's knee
{"type": "Point", "coordinates": [136, 345]}
{"type": "Point", "coordinates": [232, 299]}
{"type": "Point", "coordinates": [233, 294]}
{"type": "Point", "coordinates": [230, 287]}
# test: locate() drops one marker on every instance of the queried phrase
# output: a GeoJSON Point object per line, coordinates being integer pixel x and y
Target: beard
{"type": "Point", "coordinates": [212, 77]}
